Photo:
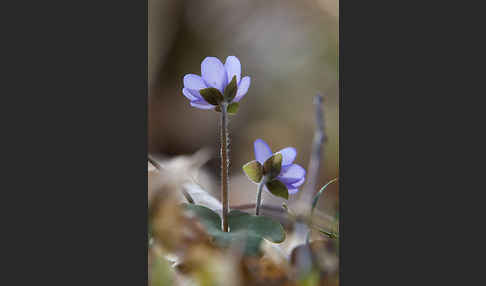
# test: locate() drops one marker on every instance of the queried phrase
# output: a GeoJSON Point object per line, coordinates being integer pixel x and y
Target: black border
{"type": "Point", "coordinates": [76, 142]}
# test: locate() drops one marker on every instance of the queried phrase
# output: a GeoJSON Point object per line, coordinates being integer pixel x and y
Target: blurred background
{"type": "Point", "coordinates": [289, 48]}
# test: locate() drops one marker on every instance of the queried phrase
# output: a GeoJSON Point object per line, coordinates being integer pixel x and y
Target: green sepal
{"type": "Point", "coordinates": [278, 189]}
{"type": "Point", "coordinates": [273, 166]}
{"type": "Point", "coordinates": [230, 90]}
{"type": "Point", "coordinates": [254, 171]}
{"type": "Point", "coordinates": [233, 107]}
{"type": "Point", "coordinates": [211, 95]}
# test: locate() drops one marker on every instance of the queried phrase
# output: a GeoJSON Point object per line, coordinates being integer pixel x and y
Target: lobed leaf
{"type": "Point", "coordinates": [244, 227]}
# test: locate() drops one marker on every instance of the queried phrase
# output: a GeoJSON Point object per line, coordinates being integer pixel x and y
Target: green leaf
{"type": "Point", "coordinates": [233, 107]}
{"type": "Point", "coordinates": [208, 218]}
{"type": "Point", "coordinates": [273, 165]}
{"type": "Point", "coordinates": [320, 192]}
{"type": "Point", "coordinates": [211, 95]}
{"type": "Point", "coordinates": [278, 189]}
{"type": "Point", "coordinates": [244, 227]}
{"type": "Point", "coordinates": [230, 90]}
{"type": "Point", "coordinates": [257, 225]}
{"type": "Point", "coordinates": [254, 171]}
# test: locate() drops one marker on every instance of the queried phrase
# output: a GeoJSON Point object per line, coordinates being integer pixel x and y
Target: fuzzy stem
{"type": "Point", "coordinates": [259, 195]}
{"type": "Point", "coordinates": [224, 164]}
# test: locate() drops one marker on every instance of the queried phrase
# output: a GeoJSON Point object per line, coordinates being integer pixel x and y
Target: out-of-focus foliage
{"type": "Point", "coordinates": [183, 249]}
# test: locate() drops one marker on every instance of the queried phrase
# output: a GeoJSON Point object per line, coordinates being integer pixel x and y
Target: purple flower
{"type": "Point", "coordinates": [216, 75]}
{"type": "Point", "coordinates": [291, 175]}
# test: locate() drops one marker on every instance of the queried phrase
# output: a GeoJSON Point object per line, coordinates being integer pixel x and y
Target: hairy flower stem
{"type": "Point", "coordinates": [225, 161]}
{"type": "Point", "coordinates": [259, 195]}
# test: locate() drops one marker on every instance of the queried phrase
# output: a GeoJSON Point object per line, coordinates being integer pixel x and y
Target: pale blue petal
{"type": "Point", "coordinates": [242, 88]}
{"type": "Point", "coordinates": [193, 81]}
{"type": "Point", "coordinates": [192, 95]}
{"type": "Point", "coordinates": [201, 104]}
{"type": "Point", "coordinates": [288, 155]}
{"type": "Point", "coordinates": [233, 67]}
{"type": "Point", "coordinates": [293, 191]}
{"type": "Point", "coordinates": [214, 73]}
{"type": "Point", "coordinates": [291, 174]}
{"type": "Point", "coordinates": [298, 183]}
{"type": "Point", "coordinates": [262, 151]}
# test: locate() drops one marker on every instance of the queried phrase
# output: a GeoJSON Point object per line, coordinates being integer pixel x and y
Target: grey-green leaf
{"type": "Point", "coordinates": [233, 107]}
{"type": "Point", "coordinates": [211, 95]}
{"type": "Point", "coordinates": [208, 218]}
{"type": "Point", "coordinates": [273, 165]}
{"type": "Point", "coordinates": [254, 171]}
{"type": "Point", "coordinates": [257, 225]}
{"type": "Point", "coordinates": [278, 189]}
{"type": "Point", "coordinates": [246, 228]}
{"type": "Point", "coordinates": [230, 90]}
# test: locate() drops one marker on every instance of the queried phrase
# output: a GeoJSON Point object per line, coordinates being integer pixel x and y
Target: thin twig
{"type": "Point", "coordinates": [304, 199]}
{"type": "Point", "coordinates": [317, 149]}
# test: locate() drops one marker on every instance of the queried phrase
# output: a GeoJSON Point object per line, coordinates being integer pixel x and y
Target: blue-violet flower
{"type": "Point", "coordinates": [215, 75]}
{"type": "Point", "coordinates": [291, 175]}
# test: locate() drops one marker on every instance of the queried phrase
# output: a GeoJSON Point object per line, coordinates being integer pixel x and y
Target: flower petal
{"type": "Point", "coordinates": [214, 73]}
{"type": "Point", "coordinates": [242, 88]}
{"type": "Point", "coordinates": [293, 191]}
{"type": "Point", "coordinates": [262, 151]}
{"type": "Point", "coordinates": [298, 183]}
{"type": "Point", "coordinates": [193, 81]}
{"type": "Point", "coordinates": [291, 174]}
{"type": "Point", "coordinates": [288, 155]}
{"type": "Point", "coordinates": [201, 104]}
{"type": "Point", "coordinates": [191, 94]}
{"type": "Point", "coordinates": [233, 68]}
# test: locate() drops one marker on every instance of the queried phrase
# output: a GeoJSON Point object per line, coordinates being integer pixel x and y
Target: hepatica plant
{"type": "Point", "coordinates": [275, 172]}
{"type": "Point", "coordinates": [220, 88]}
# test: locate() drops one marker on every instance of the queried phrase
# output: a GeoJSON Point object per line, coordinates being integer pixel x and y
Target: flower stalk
{"type": "Point", "coordinates": [259, 195]}
{"type": "Point", "coordinates": [224, 165]}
